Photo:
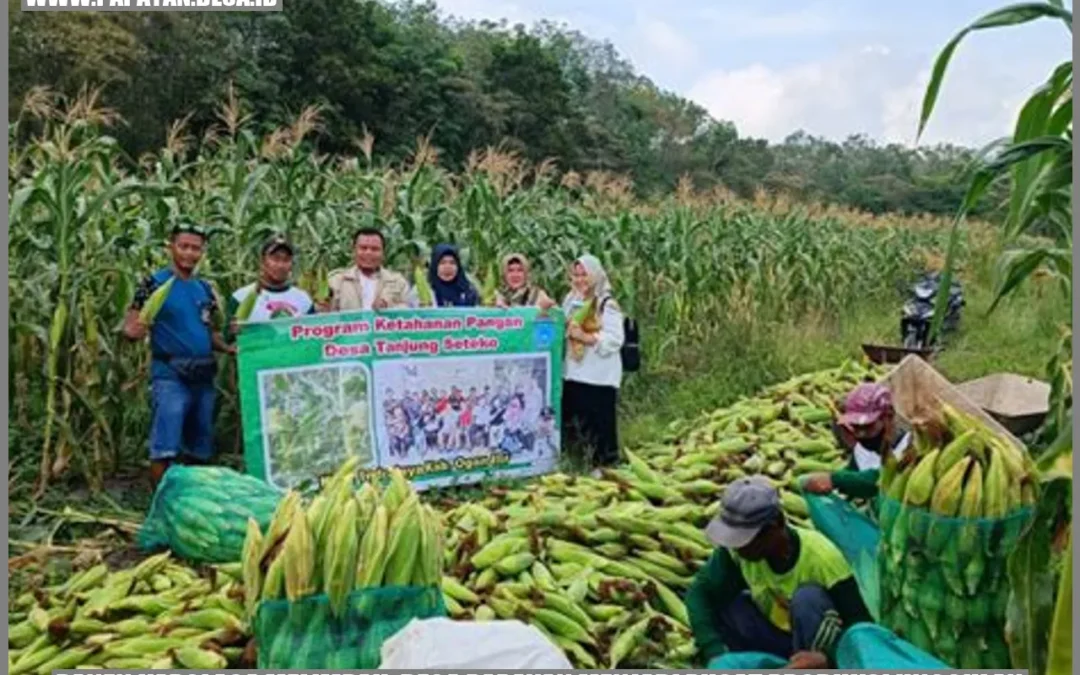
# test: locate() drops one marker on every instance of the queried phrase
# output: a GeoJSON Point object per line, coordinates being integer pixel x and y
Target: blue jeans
{"type": "Point", "coordinates": [182, 419]}
{"type": "Point", "coordinates": [746, 629]}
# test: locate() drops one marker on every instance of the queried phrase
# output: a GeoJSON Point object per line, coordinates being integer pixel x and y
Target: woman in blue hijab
{"type": "Point", "coordinates": [450, 287]}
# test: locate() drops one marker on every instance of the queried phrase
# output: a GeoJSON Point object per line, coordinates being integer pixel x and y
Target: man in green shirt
{"type": "Point", "coordinates": [769, 586]}
{"type": "Point", "coordinates": [868, 429]}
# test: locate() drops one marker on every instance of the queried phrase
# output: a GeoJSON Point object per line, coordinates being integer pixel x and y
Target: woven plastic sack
{"type": "Point", "coordinates": [857, 538]}
{"type": "Point", "coordinates": [866, 646]}
{"type": "Point", "coordinates": [306, 635]}
{"type": "Point", "coordinates": [944, 582]}
{"type": "Point", "coordinates": [746, 660]}
{"type": "Point", "coordinates": [200, 513]}
{"type": "Point", "coordinates": [445, 644]}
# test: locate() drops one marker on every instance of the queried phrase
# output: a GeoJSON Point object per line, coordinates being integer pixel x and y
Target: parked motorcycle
{"type": "Point", "coordinates": [918, 311]}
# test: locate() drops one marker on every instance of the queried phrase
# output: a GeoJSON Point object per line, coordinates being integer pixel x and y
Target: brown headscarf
{"type": "Point", "coordinates": [527, 293]}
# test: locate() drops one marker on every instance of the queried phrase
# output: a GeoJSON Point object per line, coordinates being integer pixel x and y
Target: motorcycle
{"type": "Point", "coordinates": [918, 311]}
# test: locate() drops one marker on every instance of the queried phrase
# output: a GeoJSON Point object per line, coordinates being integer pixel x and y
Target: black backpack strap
{"type": "Point", "coordinates": [211, 298]}
{"type": "Point", "coordinates": [208, 290]}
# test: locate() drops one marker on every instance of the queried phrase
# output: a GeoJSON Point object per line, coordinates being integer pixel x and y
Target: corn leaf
{"type": "Point", "coordinates": [1059, 659]}
{"type": "Point", "coordinates": [1061, 446]}
{"type": "Point", "coordinates": [1007, 16]}
{"type": "Point", "coordinates": [1013, 267]}
{"type": "Point", "coordinates": [1031, 579]}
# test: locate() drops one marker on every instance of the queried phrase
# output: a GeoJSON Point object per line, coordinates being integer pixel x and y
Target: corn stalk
{"type": "Point", "coordinates": [86, 223]}
{"type": "Point", "coordinates": [1038, 160]}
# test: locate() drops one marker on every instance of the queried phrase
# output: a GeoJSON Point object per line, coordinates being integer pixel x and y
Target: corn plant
{"type": "Point", "coordinates": [1038, 161]}
{"type": "Point", "coordinates": [87, 223]}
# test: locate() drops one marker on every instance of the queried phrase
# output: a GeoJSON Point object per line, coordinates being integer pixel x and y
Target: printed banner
{"type": "Point", "coordinates": [447, 395]}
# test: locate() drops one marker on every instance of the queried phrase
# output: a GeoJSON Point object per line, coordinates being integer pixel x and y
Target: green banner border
{"type": "Point", "coordinates": [284, 344]}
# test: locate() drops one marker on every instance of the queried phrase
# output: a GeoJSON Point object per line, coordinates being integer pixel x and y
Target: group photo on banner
{"type": "Point", "coordinates": [447, 395]}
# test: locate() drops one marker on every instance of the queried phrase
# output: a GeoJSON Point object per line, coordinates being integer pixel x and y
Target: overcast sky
{"type": "Point", "coordinates": [831, 68]}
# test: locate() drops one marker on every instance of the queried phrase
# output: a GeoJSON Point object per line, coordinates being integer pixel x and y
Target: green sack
{"type": "Point", "coordinates": [305, 635]}
{"type": "Point", "coordinates": [944, 582]}
{"type": "Point", "coordinates": [866, 646]}
{"type": "Point", "coordinates": [857, 538]}
{"type": "Point", "coordinates": [200, 513]}
{"type": "Point", "coordinates": [746, 660]}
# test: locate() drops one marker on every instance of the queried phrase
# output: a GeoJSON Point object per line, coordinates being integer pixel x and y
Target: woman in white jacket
{"type": "Point", "coordinates": [592, 372]}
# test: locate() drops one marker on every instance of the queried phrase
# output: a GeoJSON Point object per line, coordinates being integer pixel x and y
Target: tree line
{"type": "Point", "coordinates": [393, 72]}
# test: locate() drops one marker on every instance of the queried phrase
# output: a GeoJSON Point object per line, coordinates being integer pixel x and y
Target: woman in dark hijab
{"type": "Point", "coordinates": [450, 287]}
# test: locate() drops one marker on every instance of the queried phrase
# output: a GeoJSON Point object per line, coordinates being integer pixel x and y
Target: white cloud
{"type": "Point", "coordinates": [870, 90]}
{"type": "Point", "coordinates": [860, 71]}
{"type": "Point", "coordinates": [769, 103]}
{"type": "Point", "coordinates": [654, 46]}
{"type": "Point", "coordinates": [977, 102]}
{"type": "Point", "coordinates": [664, 43]}
{"type": "Point", "coordinates": [900, 110]}
{"type": "Point", "coordinates": [492, 10]}
{"type": "Point", "coordinates": [751, 97]}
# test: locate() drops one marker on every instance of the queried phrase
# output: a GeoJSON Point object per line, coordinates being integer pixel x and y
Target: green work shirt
{"type": "Point", "coordinates": [856, 483]}
{"type": "Point", "coordinates": [816, 561]}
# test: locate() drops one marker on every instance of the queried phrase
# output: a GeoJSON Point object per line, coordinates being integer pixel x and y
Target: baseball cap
{"type": "Point", "coordinates": [748, 505]}
{"type": "Point", "coordinates": [188, 227]}
{"type": "Point", "coordinates": [275, 243]}
{"type": "Point", "coordinates": [866, 404]}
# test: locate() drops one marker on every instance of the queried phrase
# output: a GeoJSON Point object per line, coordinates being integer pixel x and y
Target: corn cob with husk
{"type": "Point", "coordinates": [154, 303]}
{"type": "Point", "coordinates": [161, 608]}
{"type": "Point", "coordinates": [423, 288]}
{"type": "Point", "coordinates": [322, 285]}
{"type": "Point", "coordinates": [490, 286]}
{"type": "Point", "coordinates": [585, 317]}
{"type": "Point", "coordinates": [370, 537]}
{"type": "Point", "coordinates": [583, 559]}
{"type": "Point", "coordinates": [243, 312]}
{"type": "Point", "coordinates": [947, 531]}
{"type": "Point", "coordinates": [624, 547]}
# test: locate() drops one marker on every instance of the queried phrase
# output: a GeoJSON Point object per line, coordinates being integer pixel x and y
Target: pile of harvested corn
{"type": "Point", "coordinates": [597, 564]}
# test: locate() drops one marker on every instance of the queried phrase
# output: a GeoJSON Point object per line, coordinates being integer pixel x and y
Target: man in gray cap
{"type": "Point", "coordinates": [769, 586]}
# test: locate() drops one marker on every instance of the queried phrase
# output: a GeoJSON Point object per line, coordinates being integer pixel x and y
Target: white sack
{"type": "Point", "coordinates": [444, 644]}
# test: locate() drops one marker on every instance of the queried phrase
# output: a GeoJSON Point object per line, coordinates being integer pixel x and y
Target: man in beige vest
{"type": "Point", "coordinates": [367, 285]}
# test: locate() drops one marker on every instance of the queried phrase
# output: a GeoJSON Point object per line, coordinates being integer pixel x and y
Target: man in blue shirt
{"type": "Point", "coordinates": [182, 344]}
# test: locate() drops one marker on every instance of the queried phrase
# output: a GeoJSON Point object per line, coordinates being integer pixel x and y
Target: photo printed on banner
{"type": "Point", "coordinates": [428, 410]}
{"type": "Point", "coordinates": [315, 418]}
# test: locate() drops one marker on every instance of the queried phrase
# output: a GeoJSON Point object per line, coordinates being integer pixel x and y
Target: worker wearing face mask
{"type": "Point", "coordinates": [868, 429]}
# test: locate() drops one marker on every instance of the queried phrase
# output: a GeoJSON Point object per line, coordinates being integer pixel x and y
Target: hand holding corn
{"type": "Point", "coordinates": [136, 329]}
{"type": "Point", "coordinates": [818, 484]}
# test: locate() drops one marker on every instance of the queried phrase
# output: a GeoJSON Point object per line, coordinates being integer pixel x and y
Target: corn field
{"type": "Point", "coordinates": [86, 222]}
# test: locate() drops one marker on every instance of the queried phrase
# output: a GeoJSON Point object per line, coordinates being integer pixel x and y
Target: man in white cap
{"type": "Point", "coordinates": [770, 586]}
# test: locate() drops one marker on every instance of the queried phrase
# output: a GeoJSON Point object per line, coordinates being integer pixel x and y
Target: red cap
{"type": "Point", "coordinates": [866, 404]}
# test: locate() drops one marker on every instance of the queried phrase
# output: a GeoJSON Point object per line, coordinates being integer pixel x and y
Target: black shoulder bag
{"type": "Point", "coordinates": [631, 348]}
